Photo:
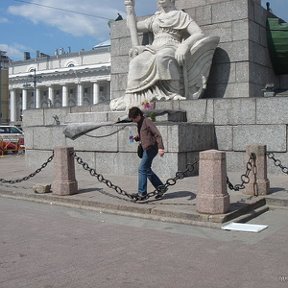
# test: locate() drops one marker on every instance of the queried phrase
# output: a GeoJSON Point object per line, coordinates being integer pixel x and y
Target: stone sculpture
{"type": "Point", "coordinates": [175, 66]}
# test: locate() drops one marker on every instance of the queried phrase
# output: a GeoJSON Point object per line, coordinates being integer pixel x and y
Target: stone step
{"type": "Point", "coordinates": [279, 201]}
{"type": "Point", "coordinates": [114, 116]}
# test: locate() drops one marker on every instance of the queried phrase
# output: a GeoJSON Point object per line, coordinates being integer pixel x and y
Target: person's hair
{"type": "Point", "coordinates": [134, 112]}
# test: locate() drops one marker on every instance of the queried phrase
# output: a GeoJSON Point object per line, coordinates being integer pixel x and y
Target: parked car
{"type": "Point", "coordinates": [11, 139]}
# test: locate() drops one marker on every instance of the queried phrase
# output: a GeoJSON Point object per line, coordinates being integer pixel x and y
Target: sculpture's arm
{"type": "Point", "coordinates": [131, 21]}
{"type": "Point", "coordinates": [195, 34]}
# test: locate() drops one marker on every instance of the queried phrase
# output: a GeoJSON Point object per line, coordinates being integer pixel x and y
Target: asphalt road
{"type": "Point", "coordinates": [44, 246]}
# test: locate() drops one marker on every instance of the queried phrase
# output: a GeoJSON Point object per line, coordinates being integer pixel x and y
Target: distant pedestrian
{"type": "Point", "coordinates": [152, 144]}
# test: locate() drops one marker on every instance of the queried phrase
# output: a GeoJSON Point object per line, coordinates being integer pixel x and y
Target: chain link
{"type": "Point", "coordinates": [277, 163]}
{"type": "Point", "coordinates": [244, 177]}
{"type": "Point", "coordinates": [13, 181]}
{"type": "Point", "coordinates": [158, 193]}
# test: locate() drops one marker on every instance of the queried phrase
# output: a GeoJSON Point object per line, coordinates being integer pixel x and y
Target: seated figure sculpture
{"type": "Point", "coordinates": [160, 71]}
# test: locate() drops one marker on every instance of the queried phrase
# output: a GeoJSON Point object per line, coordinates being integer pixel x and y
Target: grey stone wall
{"type": "Point", "coordinates": [225, 124]}
{"type": "Point", "coordinates": [240, 122]}
{"type": "Point", "coordinates": [241, 65]}
{"type": "Point", "coordinates": [112, 154]}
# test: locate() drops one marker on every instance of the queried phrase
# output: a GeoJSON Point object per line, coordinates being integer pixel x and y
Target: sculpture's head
{"type": "Point", "coordinates": [166, 3]}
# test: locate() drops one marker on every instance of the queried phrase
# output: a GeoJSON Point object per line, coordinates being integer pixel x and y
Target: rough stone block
{"type": "Point", "coordinates": [119, 64]}
{"type": "Point", "coordinates": [95, 117]}
{"type": "Point", "coordinates": [119, 29]}
{"type": "Point", "coordinates": [223, 30]}
{"type": "Point", "coordinates": [79, 109]}
{"type": "Point", "coordinates": [184, 4]}
{"type": "Point", "coordinates": [199, 111]}
{"type": "Point", "coordinates": [203, 14]}
{"type": "Point", "coordinates": [272, 110]}
{"type": "Point", "coordinates": [28, 137]}
{"type": "Point", "coordinates": [74, 118]}
{"type": "Point", "coordinates": [237, 50]}
{"type": "Point", "coordinates": [235, 162]}
{"type": "Point", "coordinates": [173, 116]}
{"type": "Point", "coordinates": [35, 158]}
{"type": "Point", "coordinates": [224, 137]}
{"type": "Point", "coordinates": [229, 10]}
{"type": "Point", "coordinates": [240, 30]}
{"type": "Point", "coordinates": [33, 117]}
{"type": "Point", "coordinates": [47, 138]}
{"type": "Point", "coordinates": [42, 188]}
{"type": "Point", "coordinates": [234, 111]}
{"type": "Point", "coordinates": [274, 136]}
{"type": "Point", "coordinates": [48, 119]}
{"type": "Point", "coordinates": [223, 73]}
{"type": "Point", "coordinates": [100, 107]}
{"type": "Point", "coordinates": [102, 139]}
{"type": "Point", "coordinates": [191, 137]}
{"type": "Point", "coordinates": [89, 158]}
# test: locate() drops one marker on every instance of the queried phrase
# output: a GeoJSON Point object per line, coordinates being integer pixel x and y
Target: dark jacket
{"type": "Point", "coordinates": [149, 134]}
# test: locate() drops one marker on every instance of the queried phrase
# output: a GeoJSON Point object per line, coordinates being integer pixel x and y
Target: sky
{"type": "Point", "coordinates": [47, 25]}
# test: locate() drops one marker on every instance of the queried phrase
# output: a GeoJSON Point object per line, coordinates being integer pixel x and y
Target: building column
{"type": "Point", "coordinates": [12, 105]}
{"type": "Point", "coordinates": [50, 96]}
{"type": "Point", "coordinates": [79, 95]}
{"type": "Point", "coordinates": [24, 99]}
{"type": "Point", "coordinates": [64, 96]}
{"type": "Point", "coordinates": [96, 96]}
{"type": "Point", "coordinates": [109, 90]}
{"type": "Point", "coordinates": [38, 98]}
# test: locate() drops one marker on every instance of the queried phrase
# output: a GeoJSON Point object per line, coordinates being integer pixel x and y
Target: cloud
{"type": "Point", "coordinates": [14, 51]}
{"type": "Point", "coordinates": [77, 24]}
{"type": "Point", "coordinates": [3, 20]}
{"type": "Point", "coordinates": [72, 23]}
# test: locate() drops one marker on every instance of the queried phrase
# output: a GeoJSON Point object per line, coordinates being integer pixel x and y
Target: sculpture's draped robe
{"type": "Point", "coordinates": [155, 71]}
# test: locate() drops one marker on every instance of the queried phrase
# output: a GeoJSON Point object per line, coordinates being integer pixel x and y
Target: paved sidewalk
{"type": "Point", "coordinates": [178, 204]}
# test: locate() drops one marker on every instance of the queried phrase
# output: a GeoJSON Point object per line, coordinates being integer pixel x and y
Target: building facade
{"type": "Point", "coordinates": [62, 80]}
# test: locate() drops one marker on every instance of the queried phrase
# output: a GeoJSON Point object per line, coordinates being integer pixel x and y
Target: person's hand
{"type": "Point", "coordinates": [161, 152]}
{"type": "Point", "coordinates": [129, 2]}
{"type": "Point", "coordinates": [137, 138]}
{"type": "Point", "coordinates": [181, 53]}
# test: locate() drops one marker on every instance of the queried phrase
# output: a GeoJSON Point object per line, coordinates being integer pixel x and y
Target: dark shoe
{"type": "Point", "coordinates": [138, 196]}
{"type": "Point", "coordinates": [161, 189]}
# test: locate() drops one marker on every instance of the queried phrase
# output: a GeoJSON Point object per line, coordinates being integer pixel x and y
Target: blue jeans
{"type": "Point", "coordinates": [145, 171]}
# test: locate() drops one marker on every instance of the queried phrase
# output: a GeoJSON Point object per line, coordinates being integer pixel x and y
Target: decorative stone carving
{"type": "Point", "coordinates": [175, 66]}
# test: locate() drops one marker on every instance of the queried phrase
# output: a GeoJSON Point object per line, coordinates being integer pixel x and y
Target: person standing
{"type": "Point", "coordinates": [152, 144]}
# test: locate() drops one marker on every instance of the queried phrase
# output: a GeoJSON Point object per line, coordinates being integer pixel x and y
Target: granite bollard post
{"type": "Point", "coordinates": [64, 172]}
{"type": "Point", "coordinates": [258, 183]}
{"type": "Point", "coordinates": [212, 196]}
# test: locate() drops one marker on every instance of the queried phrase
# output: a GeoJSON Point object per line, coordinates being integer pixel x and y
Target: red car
{"type": "Point", "coordinates": [11, 139]}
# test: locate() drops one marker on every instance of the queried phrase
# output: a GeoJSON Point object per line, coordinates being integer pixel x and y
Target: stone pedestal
{"type": "Point", "coordinates": [212, 196]}
{"type": "Point", "coordinates": [259, 183]}
{"type": "Point", "coordinates": [64, 172]}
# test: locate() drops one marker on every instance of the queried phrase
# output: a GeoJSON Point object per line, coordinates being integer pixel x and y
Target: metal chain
{"type": "Point", "coordinates": [157, 192]}
{"type": "Point", "coordinates": [244, 177]}
{"type": "Point", "coordinates": [277, 163]}
{"type": "Point", "coordinates": [13, 181]}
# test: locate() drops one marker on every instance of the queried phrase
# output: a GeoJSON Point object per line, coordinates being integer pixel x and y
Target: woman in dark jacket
{"type": "Point", "coordinates": [151, 141]}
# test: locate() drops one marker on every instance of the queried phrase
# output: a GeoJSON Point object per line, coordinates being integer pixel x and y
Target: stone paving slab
{"type": "Point", "coordinates": [178, 204]}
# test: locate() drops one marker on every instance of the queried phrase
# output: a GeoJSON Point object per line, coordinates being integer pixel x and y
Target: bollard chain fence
{"type": "Point", "coordinates": [157, 193]}
{"type": "Point", "coordinates": [244, 177]}
{"type": "Point", "coordinates": [277, 163]}
{"type": "Point", "coordinates": [13, 181]}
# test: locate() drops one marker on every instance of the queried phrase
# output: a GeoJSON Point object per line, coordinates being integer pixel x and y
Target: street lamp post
{"type": "Point", "coordinates": [35, 79]}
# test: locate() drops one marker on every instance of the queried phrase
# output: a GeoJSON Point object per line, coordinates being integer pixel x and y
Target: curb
{"type": "Point", "coordinates": [240, 210]}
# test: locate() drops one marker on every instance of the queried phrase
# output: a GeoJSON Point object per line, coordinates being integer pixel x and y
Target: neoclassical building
{"type": "Point", "coordinates": [65, 79]}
